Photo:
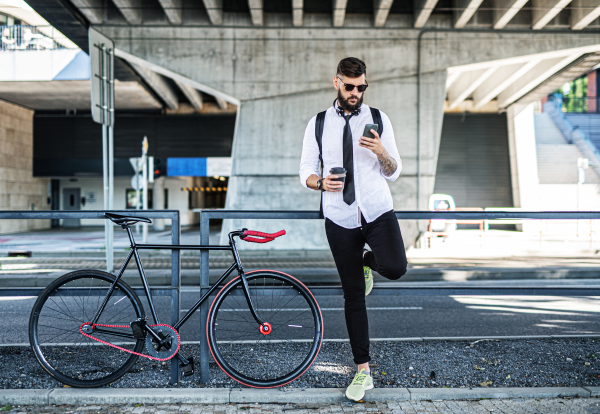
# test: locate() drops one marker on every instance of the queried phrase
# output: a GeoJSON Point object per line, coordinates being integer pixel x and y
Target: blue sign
{"type": "Point", "coordinates": [186, 167]}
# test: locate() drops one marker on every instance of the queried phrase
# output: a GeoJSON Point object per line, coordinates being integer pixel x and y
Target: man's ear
{"type": "Point", "coordinates": [335, 83]}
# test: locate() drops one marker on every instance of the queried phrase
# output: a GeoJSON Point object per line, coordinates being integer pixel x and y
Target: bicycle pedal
{"type": "Point", "coordinates": [187, 369]}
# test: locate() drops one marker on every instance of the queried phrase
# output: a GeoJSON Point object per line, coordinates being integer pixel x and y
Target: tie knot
{"type": "Point", "coordinates": [347, 117]}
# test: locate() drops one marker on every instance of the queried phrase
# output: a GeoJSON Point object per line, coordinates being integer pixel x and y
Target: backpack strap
{"type": "Point", "coordinates": [377, 119]}
{"type": "Point", "coordinates": [319, 124]}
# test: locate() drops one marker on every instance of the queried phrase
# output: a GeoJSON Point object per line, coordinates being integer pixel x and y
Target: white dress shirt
{"type": "Point", "coordinates": [373, 197]}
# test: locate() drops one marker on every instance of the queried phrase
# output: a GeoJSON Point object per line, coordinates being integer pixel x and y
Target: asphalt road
{"type": "Point", "coordinates": [397, 316]}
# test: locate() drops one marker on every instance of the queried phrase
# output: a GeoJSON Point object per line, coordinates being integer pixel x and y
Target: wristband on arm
{"type": "Point", "coordinates": [320, 184]}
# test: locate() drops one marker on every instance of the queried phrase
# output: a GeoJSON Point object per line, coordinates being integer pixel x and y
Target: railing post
{"type": "Point", "coordinates": [175, 286]}
{"type": "Point", "coordinates": [204, 282]}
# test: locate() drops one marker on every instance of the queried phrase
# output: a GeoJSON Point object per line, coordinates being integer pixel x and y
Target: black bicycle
{"type": "Point", "coordinates": [264, 327]}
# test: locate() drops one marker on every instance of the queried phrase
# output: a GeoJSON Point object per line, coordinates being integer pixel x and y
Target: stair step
{"type": "Point", "coordinates": [556, 158]}
{"type": "Point", "coordinates": [546, 131]}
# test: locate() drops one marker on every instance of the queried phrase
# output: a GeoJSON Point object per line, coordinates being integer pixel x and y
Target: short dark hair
{"type": "Point", "coordinates": [351, 67]}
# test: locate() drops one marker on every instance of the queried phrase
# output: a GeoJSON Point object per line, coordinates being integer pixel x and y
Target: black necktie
{"type": "Point", "coordinates": [348, 162]}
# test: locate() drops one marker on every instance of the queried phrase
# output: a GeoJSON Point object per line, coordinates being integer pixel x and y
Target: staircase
{"type": "Point", "coordinates": [588, 123]}
{"type": "Point", "coordinates": [557, 159]}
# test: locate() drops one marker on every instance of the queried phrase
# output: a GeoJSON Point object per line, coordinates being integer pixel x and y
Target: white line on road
{"type": "Point", "coordinates": [322, 309]}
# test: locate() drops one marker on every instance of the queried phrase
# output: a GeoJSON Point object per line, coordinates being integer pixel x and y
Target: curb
{"type": "Point", "coordinates": [189, 277]}
{"type": "Point", "coordinates": [73, 396]}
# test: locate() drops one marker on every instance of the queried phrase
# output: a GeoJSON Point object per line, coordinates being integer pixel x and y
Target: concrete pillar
{"type": "Point", "coordinates": [268, 145]}
{"type": "Point", "coordinates": [524, 167]}
{"type": "Point", "coordinates": [158, 202]}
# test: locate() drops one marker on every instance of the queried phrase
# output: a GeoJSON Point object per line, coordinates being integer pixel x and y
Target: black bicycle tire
{"type": "Point", "coordinates": [284, 379]}
{"type": "Point", "coordinates": [35, 312]}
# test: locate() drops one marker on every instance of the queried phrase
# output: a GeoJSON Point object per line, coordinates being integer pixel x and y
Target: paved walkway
{"type": "Point", "coordinates": [527, 405]}
{"type": "Point", "coordinates": [462, 257]}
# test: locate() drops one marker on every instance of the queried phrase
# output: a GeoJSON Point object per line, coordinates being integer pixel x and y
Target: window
{"type": "Point", "coordinates": [6, 20]}
{"type": "Point", "coordinates": [131, 202]}
{"type": "Point", "coordinates": [573, 95]}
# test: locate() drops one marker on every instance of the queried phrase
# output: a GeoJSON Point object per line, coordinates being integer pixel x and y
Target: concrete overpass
{"type": "Point", "coordinates": [277, 58]}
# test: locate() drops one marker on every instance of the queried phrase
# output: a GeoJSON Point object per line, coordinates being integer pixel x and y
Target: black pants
{"type": "Point", "coordinates": [387, 257]}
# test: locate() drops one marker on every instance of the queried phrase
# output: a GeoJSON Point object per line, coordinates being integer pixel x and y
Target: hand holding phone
{"type": "Point", "coordinates": [370, 141]}
{"type": "Point", "coordinates": [367, 133]}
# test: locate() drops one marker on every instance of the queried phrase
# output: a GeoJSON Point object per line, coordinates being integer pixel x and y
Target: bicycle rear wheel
{"type": "Point", "coordinates": [258, 359]}
{"type": "Point", "coordinates": [59, 312]}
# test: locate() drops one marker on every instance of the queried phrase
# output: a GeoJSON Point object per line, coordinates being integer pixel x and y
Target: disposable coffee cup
{"type": "Point", "coordinates": [340, 172]}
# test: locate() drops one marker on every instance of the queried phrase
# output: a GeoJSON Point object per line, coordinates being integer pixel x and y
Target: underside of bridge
{"type": "Point", "coordinates": [275, 60]}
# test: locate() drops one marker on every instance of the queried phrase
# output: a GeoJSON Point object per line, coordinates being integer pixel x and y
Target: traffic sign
{"type": "Point", "coordinates": [135, 163]}
{"type": "Point", "coordinates": [137, 182]}
{"type": "Point", "coordinates": [102, 77]}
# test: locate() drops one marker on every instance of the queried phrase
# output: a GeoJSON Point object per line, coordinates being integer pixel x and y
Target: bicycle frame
{"type": "Point", "coordinates": [237, 264]}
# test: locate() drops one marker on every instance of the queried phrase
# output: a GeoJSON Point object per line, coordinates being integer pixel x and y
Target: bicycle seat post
{"type": "Point", "coordinates": [130, 234]}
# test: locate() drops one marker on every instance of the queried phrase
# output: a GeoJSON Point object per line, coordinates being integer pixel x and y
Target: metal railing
{"type": "Point", "coordinates": [397, 290]}
{"type": "Point", "coordinates": [173, 291]}
{"type": "Point", "coordinates": [207, 215]}
{"type": "Point", "coordinates": [14, 38]}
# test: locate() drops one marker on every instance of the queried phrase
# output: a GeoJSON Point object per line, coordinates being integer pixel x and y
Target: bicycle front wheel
{"type": "Point", "coordinates": [59, 312]}
{"type": "Point", "coordinates": [252, 356]}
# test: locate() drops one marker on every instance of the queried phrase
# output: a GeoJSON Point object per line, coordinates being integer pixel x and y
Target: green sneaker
{"type": "Point", "coordinates": [368, 279]}
{"type": "Point", "coordinates": [368, 276]}
{"type": "Point", "coordinates": [361, 383]}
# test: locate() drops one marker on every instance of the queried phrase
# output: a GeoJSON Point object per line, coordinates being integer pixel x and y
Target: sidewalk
{"type": "Point", "coordinates": [461, 257]}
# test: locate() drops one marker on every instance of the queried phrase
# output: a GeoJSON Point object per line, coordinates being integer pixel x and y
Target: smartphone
{"type": "Point", "coordinates": [367, 133]}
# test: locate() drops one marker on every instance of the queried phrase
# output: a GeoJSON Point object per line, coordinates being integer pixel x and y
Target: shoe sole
{"type": "Point", "coordinates": [370, 387]}
{"type": "Point", "coordinates": [369, 291]}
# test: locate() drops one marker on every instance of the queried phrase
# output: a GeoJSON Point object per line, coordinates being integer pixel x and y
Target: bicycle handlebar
{"type": "Point", "coordinates": [264, 237]}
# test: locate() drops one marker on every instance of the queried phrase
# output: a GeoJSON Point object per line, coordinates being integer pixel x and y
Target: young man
{"type": "Point", "coordinates": [359, 210]}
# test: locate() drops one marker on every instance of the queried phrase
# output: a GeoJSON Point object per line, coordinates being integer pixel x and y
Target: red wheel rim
{"type": "Point", "coordinates": [265, 328]}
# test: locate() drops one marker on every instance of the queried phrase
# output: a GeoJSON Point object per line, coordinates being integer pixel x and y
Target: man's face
{"type": "Point", "coordinates": [349, 100]}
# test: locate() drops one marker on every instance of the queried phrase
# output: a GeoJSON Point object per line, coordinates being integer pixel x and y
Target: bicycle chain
{"type": "Point", "coordinates": [127, 350]}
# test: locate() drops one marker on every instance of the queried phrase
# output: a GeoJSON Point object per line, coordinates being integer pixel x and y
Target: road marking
{"type": "Point", "coordinates": [322, 309]}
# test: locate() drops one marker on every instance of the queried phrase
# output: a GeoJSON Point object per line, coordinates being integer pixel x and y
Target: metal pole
{"type": "Point", "coordinates": [111, 162]}
{"type": "Point", "coordinates": [145, 184]}
{"type": "Point", "coordinates": [204, 282]}
{"type": "Point", "coordinates": [175, 286]}
{"type": "Point", "coordinates": [137, 193]}
{"type": "Point", "coordinates": [419, 122]}
{"type": "Point", "coordinates": [578, 201]}
{"type": "Point", "coordinates": [107, 223]}
{"type": "Point", "coordinates": [145, 197]}
{"type": "Point", "coordinates": [105, 160]}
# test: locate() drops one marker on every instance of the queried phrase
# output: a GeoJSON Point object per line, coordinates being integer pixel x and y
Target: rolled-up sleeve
{"type": "Point", "coordinates": [389, 143]}
{"type": "Point", "coordinates": [309, 163]}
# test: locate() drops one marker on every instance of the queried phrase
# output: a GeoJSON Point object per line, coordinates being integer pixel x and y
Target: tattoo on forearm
{"type": "Point", "coordinates": [387, 163]}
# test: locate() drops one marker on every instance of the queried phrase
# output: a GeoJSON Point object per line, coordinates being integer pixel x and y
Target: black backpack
{"type": "Point", "coordinates": [320, 123]}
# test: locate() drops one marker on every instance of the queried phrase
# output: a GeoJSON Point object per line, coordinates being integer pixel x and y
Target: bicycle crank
{"type": "Point", "coordinates": [167, 347]}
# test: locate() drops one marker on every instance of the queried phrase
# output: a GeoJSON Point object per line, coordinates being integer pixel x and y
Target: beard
{"type": "Point", "coordinates": [345, 105]}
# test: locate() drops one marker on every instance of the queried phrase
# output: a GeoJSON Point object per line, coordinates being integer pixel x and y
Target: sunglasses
{"type": "Point", "coordinates": [350, 87]}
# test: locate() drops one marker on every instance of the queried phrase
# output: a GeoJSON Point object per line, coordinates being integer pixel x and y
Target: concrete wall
{"type": "Point", "coordinates": [283, 77]}
{"type": "Point", "coordinates": [19, 190]}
